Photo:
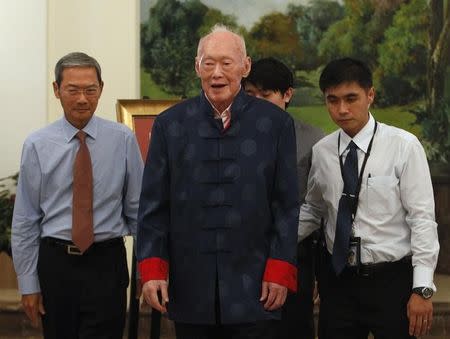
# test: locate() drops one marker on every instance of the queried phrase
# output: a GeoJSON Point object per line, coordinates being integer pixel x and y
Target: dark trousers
{"type": "Point", "coordinates": [266, 329]}
{"type": "Point", "coordinates": [353, 305]}
{"type": "Point", "coordinates": [297, 320]}
{"type": "Point", "coordinates": [258, 330]}
{"type": "Point", "coordinates": [84, 295]}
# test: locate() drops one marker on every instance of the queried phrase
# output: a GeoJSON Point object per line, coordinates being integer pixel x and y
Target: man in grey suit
{"type": "Point", "coordinates": [272, 80]}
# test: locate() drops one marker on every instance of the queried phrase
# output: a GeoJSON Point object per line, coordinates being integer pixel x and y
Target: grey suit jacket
{"type": "Point", "coordinates": [307, 136]}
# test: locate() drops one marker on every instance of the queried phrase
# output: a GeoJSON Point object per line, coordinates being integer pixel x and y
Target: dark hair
{"type": "Point", "coordinates": [270, 74]}
{"type": "Point", "coordinates": [344, 70]}
{"type": "Point", "coordinates": [76, 59]}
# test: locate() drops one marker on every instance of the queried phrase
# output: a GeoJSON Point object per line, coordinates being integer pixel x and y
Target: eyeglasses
{"type": "Point", "coordinates": [88, 92]}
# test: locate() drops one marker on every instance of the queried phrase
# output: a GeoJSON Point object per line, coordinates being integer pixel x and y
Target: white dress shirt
{"type": "Point", "coordinates": [395, 215]}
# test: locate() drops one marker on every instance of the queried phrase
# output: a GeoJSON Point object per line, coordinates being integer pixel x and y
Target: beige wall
{"type": "Point", "coordinates": [107, 30]}
{"type": "Point", "coordinates": [34, 34]}
{"type": "Point", "coordinates": [23, 62]}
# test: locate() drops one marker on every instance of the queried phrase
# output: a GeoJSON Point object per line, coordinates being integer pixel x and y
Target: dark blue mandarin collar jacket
{"type": "Point", "coordinates": [219, 209]}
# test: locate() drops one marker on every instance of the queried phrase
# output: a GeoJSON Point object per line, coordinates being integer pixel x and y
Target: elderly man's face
{"type": "Point", "coordinates": [221, 65]}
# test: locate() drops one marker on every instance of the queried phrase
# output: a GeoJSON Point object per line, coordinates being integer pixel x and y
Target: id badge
{"type": "Point", "coordinates": [354, 253]}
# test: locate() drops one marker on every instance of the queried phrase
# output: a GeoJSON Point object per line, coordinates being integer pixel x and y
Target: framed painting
{"type": "Point", "coordinates": [139, 115]}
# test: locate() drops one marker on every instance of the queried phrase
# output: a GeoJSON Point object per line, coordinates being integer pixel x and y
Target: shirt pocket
{"type": "Point", "coordinates": [383, 195]}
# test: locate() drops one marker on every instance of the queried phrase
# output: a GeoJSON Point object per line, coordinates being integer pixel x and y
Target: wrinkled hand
{"type": "Point", "coordinates": [150, 291]}
{"type": "Point", "coordinates": [420, 315]}
{"type": "Point", "coordinates": [33, 307]}
{"type": "Point", "coordinates": [273, 295]}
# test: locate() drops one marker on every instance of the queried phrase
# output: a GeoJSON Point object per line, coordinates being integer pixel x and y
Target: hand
{"type": "Point", "coordinates": [33, 307]}
{"type": "Point", "coordinates": [150, 291]}
{"type": "Point", "coordinates": [273, 294]}
{"type": "Point", "coordinates": [420, 315]}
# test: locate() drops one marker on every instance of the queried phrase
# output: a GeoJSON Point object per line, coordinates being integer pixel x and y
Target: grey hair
{"type": "Point", "coordinates": [76, 59]}
{"type": "Point", "coordinates": [222, 28]}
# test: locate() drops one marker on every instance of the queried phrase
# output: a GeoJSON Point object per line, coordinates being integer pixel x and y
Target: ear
{"type": "Point", "coordinates": [371, 95]}
{"type": "Point", "coordinates": [287, 96]}
{"type": "Point", "coordinates": [197, 65]}
{"type": "Point", "coordinates": [247, 66]}
{"type": "Point", "coordinates": [101, 88]}
{"type": "Point", "coordinates": [56, 90]}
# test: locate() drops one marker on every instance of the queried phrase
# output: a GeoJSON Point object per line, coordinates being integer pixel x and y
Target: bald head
{"type": "Point", "coordinates": [221, 32]}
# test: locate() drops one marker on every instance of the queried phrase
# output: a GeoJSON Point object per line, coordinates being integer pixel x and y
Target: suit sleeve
{"type": "Point", "coordinates": [280, 267]}
{"type": "Point", "coordinates": [154, 211]}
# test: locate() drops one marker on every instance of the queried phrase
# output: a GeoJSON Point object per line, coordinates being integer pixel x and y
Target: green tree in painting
{"type": "Point", "coordinates": [439, 50]}
{"type": "Point", "coordinates": [275, 35]}
{"type": "Point", "coordinates": [435, 115]}
{"type": "Point", "coordinates": [360, 31]}
{"type": "Point", "coordinates": [214, 16]}
{"type": "Point", "coordinates": [401, 74]}
{"type": "Point", "coordinates": [311, 22]}
{"type": "Point", "coordinates": [169, 42]}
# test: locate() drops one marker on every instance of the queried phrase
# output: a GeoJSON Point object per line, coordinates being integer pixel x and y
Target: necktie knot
{"type": "Point", "coordinates": [81, 135]}
{"type": "Point", "coordinates": [352, 146]}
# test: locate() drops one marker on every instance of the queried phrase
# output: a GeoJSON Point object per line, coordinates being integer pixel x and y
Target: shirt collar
{"type": "Point", "coordinates": [70, 131]}
{"type": "Point", "coordinates": [362, 139]}
{"type": "Point", "coordinates": [217, 113]}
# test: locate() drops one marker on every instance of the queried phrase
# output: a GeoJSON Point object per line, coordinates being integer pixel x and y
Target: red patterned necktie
{"type": "Point", "coordinates": [82, 209]}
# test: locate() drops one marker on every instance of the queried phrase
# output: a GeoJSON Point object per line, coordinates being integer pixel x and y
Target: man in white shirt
{"type": "Point", "coordinates": [380, 232]}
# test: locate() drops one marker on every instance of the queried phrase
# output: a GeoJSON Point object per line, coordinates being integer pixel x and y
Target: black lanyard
{"type": "Point", "coordinates": [358, 187]}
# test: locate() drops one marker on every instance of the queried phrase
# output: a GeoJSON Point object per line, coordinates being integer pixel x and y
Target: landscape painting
{"type": "Point", "coordinates": [405, 42]}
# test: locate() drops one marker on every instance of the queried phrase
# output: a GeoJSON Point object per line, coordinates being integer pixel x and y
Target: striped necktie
{"type": "Point", "coordinates": [226, 119]}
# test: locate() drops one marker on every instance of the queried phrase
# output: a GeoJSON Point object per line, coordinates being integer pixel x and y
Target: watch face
{"type": "Point", "coordinates": [427, 292]}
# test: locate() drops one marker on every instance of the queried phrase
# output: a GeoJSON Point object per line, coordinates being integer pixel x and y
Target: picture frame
{"type": "Point", "coordinates": [139, 115]}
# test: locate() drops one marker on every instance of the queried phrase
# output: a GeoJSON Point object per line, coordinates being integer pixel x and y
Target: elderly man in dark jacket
{"type": "Point", "coordinates": [217, 225]}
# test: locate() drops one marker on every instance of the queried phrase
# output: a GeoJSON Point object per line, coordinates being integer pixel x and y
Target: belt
{"type": "Point", "coordinates": [370, 270]}
{"type": "Point", "coordinates": [69, 247]}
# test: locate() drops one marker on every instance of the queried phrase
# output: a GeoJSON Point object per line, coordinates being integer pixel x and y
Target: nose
{"type": "Point", "coordinates": [217, 72]}
{"type": "Point", "coordinates": [82, 97]}
{"type": "Point", "coordinates": [342, 107]}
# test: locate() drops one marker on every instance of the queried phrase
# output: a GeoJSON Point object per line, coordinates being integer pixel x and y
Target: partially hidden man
{"type": "Point", "coordinates": [371, 183]}
{"type": "Point", "coordinates": [77, 196]}
{"type": "Point", "coordinates": [272, 80]}
{"type": "Point", "coordinates": [217, 217]}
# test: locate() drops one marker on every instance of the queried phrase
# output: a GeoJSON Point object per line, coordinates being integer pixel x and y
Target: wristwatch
{"type": "Point", "coordinates": [424, 292]}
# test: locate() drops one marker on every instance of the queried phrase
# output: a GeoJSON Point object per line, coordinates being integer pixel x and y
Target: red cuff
{"type": "Point", "coordinates": [281, 272]}
{"type": "Point", "coordinates": [153, 269]}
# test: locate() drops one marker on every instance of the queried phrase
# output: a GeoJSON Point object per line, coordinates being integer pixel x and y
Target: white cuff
{"type": "Point", "coordinates": [423, 277]}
